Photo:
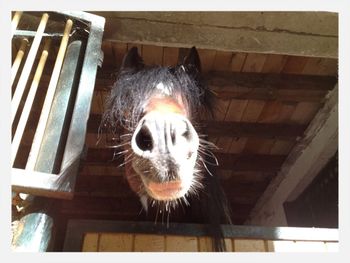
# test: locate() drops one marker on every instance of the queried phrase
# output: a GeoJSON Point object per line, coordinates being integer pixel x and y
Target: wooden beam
{"type": "Point", "coordinates": [233, 129]}
{"type": "Point", "coordinates": [305, 161]}
{"type": "Point", "coordinates": [235, 162]}
{"type": "Point", "coordinates": [290, 33]}
{"type": "Point", "coordinates": [257, 86]}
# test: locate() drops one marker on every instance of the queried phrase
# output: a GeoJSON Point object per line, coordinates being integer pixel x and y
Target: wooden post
{"type": "Point", "coordinates": [307, 158]}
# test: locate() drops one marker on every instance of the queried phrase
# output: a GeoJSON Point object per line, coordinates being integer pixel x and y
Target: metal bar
{"type": "Point", "coordinates": [53, 142]}
{"type": "Point", "coordinates": [29, 102]}
{"type": "Point", "coordinates": [32, 233]}
{"type": "Point", "coordinates": [18, 59]}
{"type": "Point", "coordinates": [15, 21]}
{"type": "Point", "coordinates": [27, 67]}
{"type": "Point", "coordinates": [29, 33]}
{"type": "Point", "coordinates": [44, 184]}
{"type": "Point", "coordinates": [49, 98]}
{"type": "Point", "coordinates": [78, 126]}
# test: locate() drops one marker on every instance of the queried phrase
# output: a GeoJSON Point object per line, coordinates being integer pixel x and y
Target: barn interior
{"type": "Point", "coordinates": [274, 76]}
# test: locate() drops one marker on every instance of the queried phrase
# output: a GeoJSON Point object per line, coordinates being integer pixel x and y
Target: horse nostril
{"type": "Point", "coordinates": [187, 133]}
{"type": "Point", "coordinates": [144, 139]}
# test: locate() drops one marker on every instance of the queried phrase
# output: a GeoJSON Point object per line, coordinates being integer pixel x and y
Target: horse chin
{"type": "Point", "coordinates": [165, 191]}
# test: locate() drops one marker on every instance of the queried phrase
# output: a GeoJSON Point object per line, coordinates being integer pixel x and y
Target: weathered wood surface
{"type": "Point", "coordinates": [94, 235]}
{"type": "Point", "coordinates": [306, 159]}
{"type": "Point", "coordinates": [258, 86]}
{"type": "Point", "coordinates": [292, 33]}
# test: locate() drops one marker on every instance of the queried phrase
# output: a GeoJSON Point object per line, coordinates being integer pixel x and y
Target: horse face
{"type": "Point", "coordinates": [165, 143]}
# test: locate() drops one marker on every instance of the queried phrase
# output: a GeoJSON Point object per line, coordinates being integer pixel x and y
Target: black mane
{"type": "Point", "coordinates": [133, 89]}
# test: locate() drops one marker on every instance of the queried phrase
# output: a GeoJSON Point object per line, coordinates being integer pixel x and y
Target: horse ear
{"type": "Point", "coordinates": [132, 60]}
{"type": "Point", "coordinates": [192, 60]}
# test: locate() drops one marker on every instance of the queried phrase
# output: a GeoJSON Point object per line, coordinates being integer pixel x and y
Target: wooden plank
{"type": "Point", "coordinates": [90, 243]}
{"type": "Point", "coordinates": [207, 59]}
{"type": "Point", "coordinates": [269, 86]}
{"type": "Point", "coordinates": [245, 85]}
{"type": "Point", "coordinates": [170, 57]}
{"type": "Point", "coordinates": [283, 146]}
{"type": "Point", "coordinates": [235, 113]}
{"type": "Point", "coordinates": [220, 108]}
{"type": "Point", "coordinates": [149, 243]}
{"type": "Point", "coordinates": [254, 62]}
{"type": "Point", "coordinates": [77, 228]}
{"type": "Point", "coordinates": [111, 242]}
{"type": "Point", "coordinates": [269, 114]}
{"type": "Point", "coordinates": [96, 104]}
{"type": "Point", "coordinates": [119, 50]}
{"type": "Point", "coordinates": [269, 246]}
{"type": "Point", "coordinates": [223, 144]}
{"type": "Point", "coordinates": [260, 130]}
{"type": "Point", "coordinates": [215, 30]}
{"type": "Point", "coordinates": [304, 112]}
{"type": "Point", "coordinates": [181, 244]}
{"type": "Point", "coordinates": [329, 67]}
{"type": "Point", "coordinates": [248, 245]}
{"type": "Point", "coordinates": [237, 61]}
{"type": "Point", "coordinates": [321, 66]}
{"type": "Point", "coordinates": [152, 55]}
{"type": "Point", "coordinates": [205, 244]}
{"type": "Point", "coordinates": [307, 158]}
{"type": "Point", "coordinates": [274, 63]}
{"type": "Point", "coordinates": [250, 114]}
{"type": "Point", "coordinates": [237, 145]}
{"type": "Point", "coordinates": [253, 110]}
{"type": "Point", "coordinates": [229, 245]}
{"type": "Point", "coordinates": [222, 61]}
{"type": "Point", "coordinates": [108, 55]}
{"type": "Point", "coordinates": [294, 65]}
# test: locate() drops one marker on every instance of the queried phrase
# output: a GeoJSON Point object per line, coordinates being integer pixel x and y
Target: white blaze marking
{"type": "Point", "coordinates": [164, 89]}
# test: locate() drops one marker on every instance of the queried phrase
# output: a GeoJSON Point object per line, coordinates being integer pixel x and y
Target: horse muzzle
{"type": "Point", "coordinates": [165, 148]}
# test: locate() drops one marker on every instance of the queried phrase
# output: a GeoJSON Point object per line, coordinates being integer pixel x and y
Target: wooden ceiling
{"type": "Point", "coordinates": [263, 104]}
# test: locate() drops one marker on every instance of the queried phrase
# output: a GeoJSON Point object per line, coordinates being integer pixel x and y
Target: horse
{"type": "Point", "coordinates": [168, 162]}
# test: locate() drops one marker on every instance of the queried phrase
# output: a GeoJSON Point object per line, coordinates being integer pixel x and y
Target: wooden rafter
{"type": "Point", "coordinates": [306, 159]}
{"type": "Point", "coordinates": [291, 33]}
